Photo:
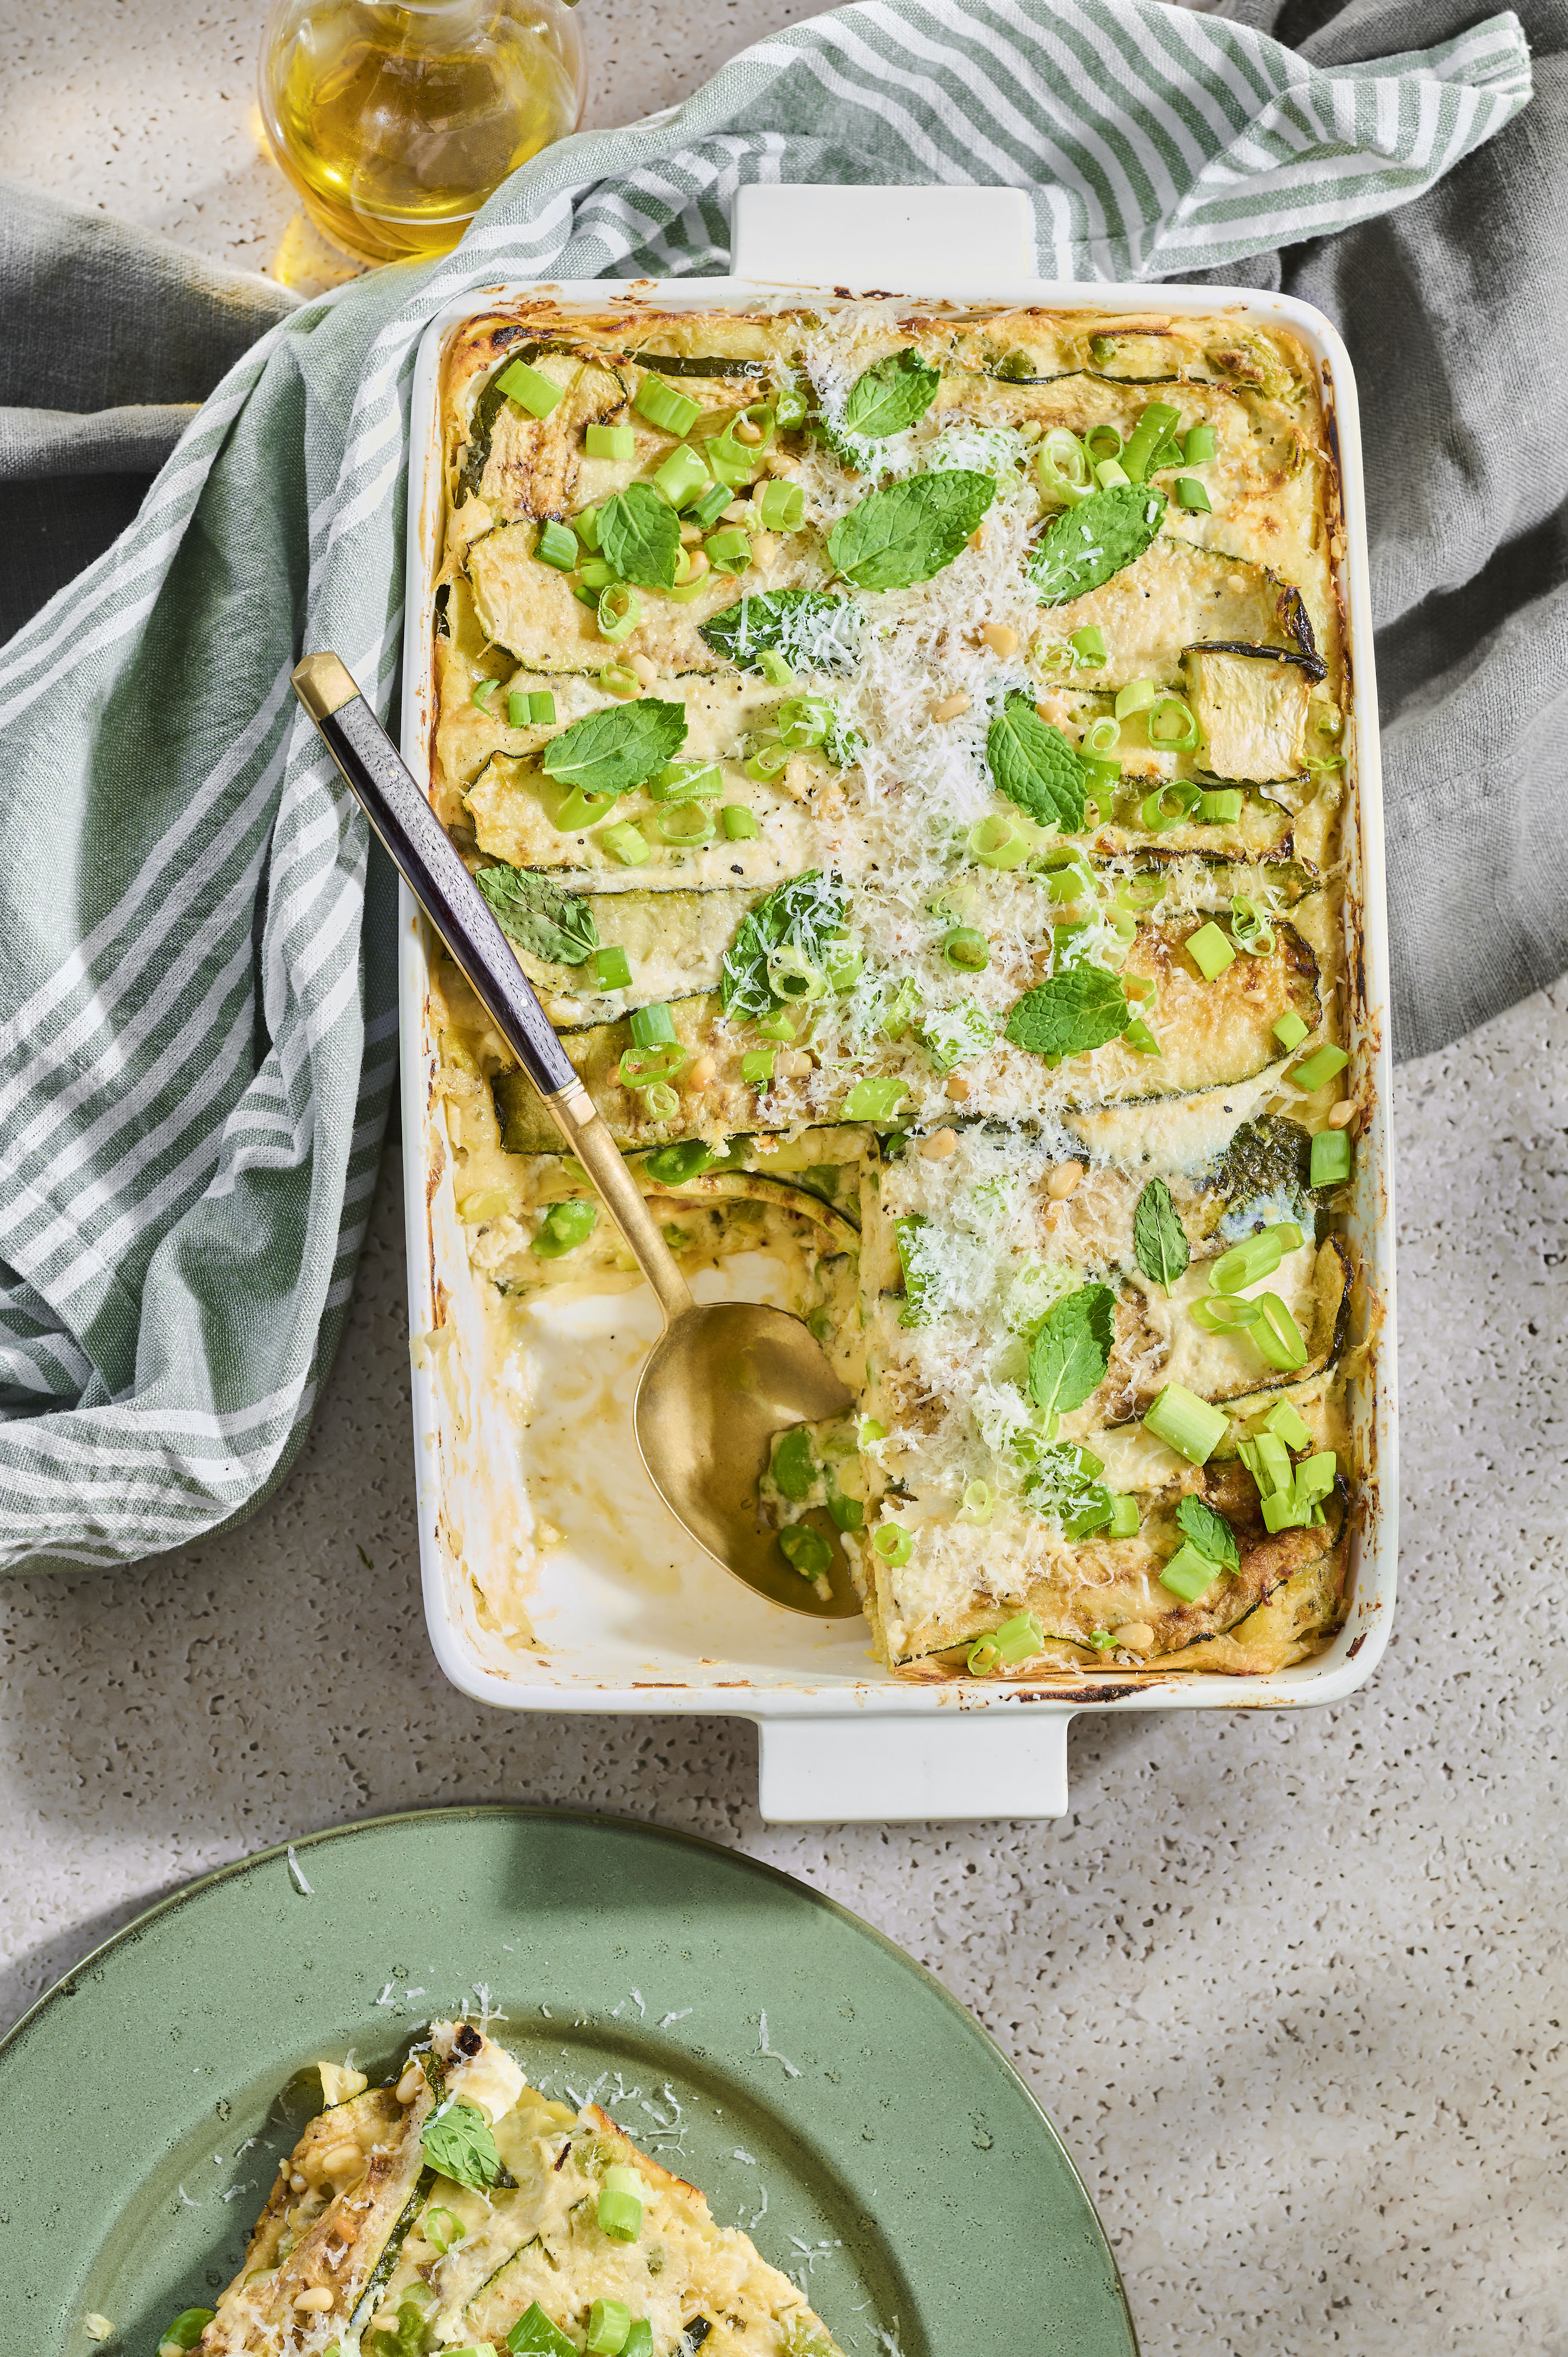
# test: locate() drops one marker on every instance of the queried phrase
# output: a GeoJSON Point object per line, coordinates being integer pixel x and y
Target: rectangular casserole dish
{"type": "Point", "coordinates": [840, 1738]}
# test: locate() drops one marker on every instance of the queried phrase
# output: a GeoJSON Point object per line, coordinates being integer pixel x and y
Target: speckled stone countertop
{"type": "Point", "coordinates": [1291, 1988]}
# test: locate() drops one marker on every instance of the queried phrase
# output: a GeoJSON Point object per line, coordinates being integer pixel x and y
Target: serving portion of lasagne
{"type": "Point", "coordinates": [907, 752]}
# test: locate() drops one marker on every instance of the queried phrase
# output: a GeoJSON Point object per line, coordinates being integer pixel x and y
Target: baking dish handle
{"type": "Point", "coordinates": [1001, 1759]}
{"type": "Point", "coordinates": [866, 238]}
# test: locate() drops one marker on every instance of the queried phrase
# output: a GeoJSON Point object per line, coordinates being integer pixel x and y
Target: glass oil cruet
{"type": "Point", "coordinates": [396, 122]}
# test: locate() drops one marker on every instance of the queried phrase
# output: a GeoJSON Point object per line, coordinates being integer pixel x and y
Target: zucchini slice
{"type": "Point", "coordinates": [509, 803]}
{"type": "Point", "coordinates": [1250, 704]}
{"type": "Point", "coordinates": [530, 609]}
{"type": "Point", "coordinates": [524, 466]}
{"type": "Point", "coordinates": [1178, 594]}
{"type": "Point", "coordinates": [674, 942]}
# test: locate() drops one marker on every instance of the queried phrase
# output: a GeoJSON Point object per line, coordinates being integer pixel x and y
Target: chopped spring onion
{"type": "Point", "coordinates": [671, 412]}
{"type": "Point", "coordinates": [442, 2229]}
{"type": "Point", "coordinates": [1314, 1071]}
{"type": "Point", "coordinates": [1290, 1032]}
{"type": "Point", "coordinates": [1278, 1335]}
{"type": "Point", "coordinates": [1272, 1470]}
{"type": "Point", "coordinates": [529, 389]}
{"type": "Point", "coordinates": [585, 524]}
{"type": "Point", "coordinates": [1331, 1158]}
{"type": "Point", "coordinates": [531, 708]}
{"type": "Point", "coordinates": [1188, 1574]}
{"type": "Point", "coordinates": [1225, 1313]}
{"type": "Point", "coordinates": [619, 680]}
{"type": "Point", "coordinates": [1167, 806]}
{"type": "Point", "coordinates": [1288, 1426]}
{"type": "Point", "coordinates": [682, 477]}
{"type": "Point", "coordinates": [1101, 1641]}
{"type": "Point", "coordinates": [978, 1502]}
{"type": "Point", "coordinates": [792, 975]}
{"type": "Point", "coordinates": [534, 2335]}
{"type": "Point", "coordinates": [1089, 643]}
{"type": "Point", "coordinates": [620, 611]}
{"type": "Point", "coordinates": [875, 1098]}
{"type": "Point", "coordinates": [804, 719]}
{"type": "Point", "coordinates": [617, 442]}
{"type": "Point", "coordinates": [1221, 805]}
{"type": "Point", "coordinates": [1103, 442]}
{"type": "Point", "coordinates": [558, 546]}
{"type": "Point", "coordinates": [1198, 446]}
{"type": "Point", "coordinates": [733, 460]}
{"type": "Point", "coordinates": [738, 822]}
{"type": "Point", "coordinates": [610, 2323]}
{"type": "Point", "coordinates": [774, 668]}
{"type": "Point", "coordinates": [687, 781]}
{"type": "Point", "coordinates": [1108, 472]}
{"type": "Point", "coordinates": [565, 1227]}
{"type": "Point", "coordinates": [710, 506]}
{"type": "Point", "coordinates": [967, 949]}
{"type": "Point", "coordinates": [1136, 697]}
{"type": "Point", "coordinates": [985, 1655]}
{"type": "Point", "coordinates": [997, 843]}
{"type": "Point", "coordinates": [765, 764]}
{"type": "Point", "coordinates": [791, 409]}
{"type": "Point", "coordinates": [684, 823]}
{"type": "Point", "coordinates": [1067, 874]}
{"type": "Point", "coordinates": [660, 1061]}
{"type": "Point", "coordinates": [483, 691]}
{"type": "Point", "coordinates": [1153, 423]}
{"type": "Point", "coordinates": [807, 1549]}
{"type": "Point", "coordinates": [624, 843]}
{"type": "Point", "coordinates": [1144, 891]}
{"type": "Point", "coordinates": [1190, 493]}
{"type": "Point", "coordinates": [691, 571]}
{"type": "Point", "coordinates": [1102, 736]}
{"type": "Point", "coordinates": [729, 550]}
{"type": "Point", "coordinates": [757, 1067]}
{"type": "Point", "coordinates": [893, 1542]}
{"type": "Point", "coordinates": [613, 968]}
{"type": "Point", "coordinates": [652, 1027]}
{"type": "Point", "coordinates": [1125, 1517]}
{"type": "Point", "coordinates": [1019, 1639]}
{"type": "Point", "coordinates": [659, 1103]}
{"type": "Point", "coordinates": [1186, 1424]}
{"type": "Point", "coordinates": [1251, 928]}
{"type": "Point", "coordinates": [620, 2204]}
{"type": "Point", "coordinates": [1139, 1036]}
{"type": "Point", "coordinates": [579, 809]}
{"type": "Point", "coordinates": [597, 573]}
{"type": "Point", "coordinates": [781, 506]}
{"type": "Point", "coordinates": [1256, 1257]}
{"type": "Point", "coordinates": [1063, 468]}
{"type": "Point", "coordinates": [843, 964]}
{"type": "Point", "coordinates": [1210, 951]}
{"type": "Point", "coordinates": [776, 1026]}
{"type": "Point", "coordinates": [1172, 726]}
{"type": "Point", "coordinates": [186, 2329]}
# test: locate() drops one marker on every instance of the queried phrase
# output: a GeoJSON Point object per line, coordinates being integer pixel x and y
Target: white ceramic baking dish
{"type": "Point", "coordinates": [647, 1624]}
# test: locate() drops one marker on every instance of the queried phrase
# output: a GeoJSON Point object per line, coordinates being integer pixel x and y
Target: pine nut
{"type": "Point", "coordinates": [1236, 583]}
{"type": "Point", "coordinates": [977, 537]}
{"type": "Point", "coordinates": [1063, 1179]}
{"type": "Point", "coordinates": [748, 431]}
{"type": "Point", "coordinates": [319, 2300]}
{"type": "Point", "coordinates": [409, 2086]}
{"type": "Point", "coordinates": [645, 668]}
{"type": "Point", "coordinates": [344, 2163]}
{"type": "Point", "coordinates": [1135, 1636]}
{"type": "Point", "coordinates": [701, 1074]}
{"type": "Point", "coordinates": [780, 463]}
{"type": "Point", "coordinates": [957, 1087]}
{"type": "Point", "coordinates": [690, 534]}
{"type": "Point", "coordinates": [999, 637]}
{"type": "Point", "coordinates": [939, 1145]}
{"type": "Point", "coordinates": [764, 548]}
{"type": "Point", "coordinates": [794, 1063]}
{"type": "Point", "coordinates": [297, 2184]}
{"type": "Point", "coordinates": [1341, 1115]}
{"type": "Point", "coordinates": [739, 511]}
{"type": "Point", "coordinates": [949, 707]}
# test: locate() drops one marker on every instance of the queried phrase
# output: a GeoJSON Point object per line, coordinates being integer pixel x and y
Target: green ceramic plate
{"type": "Point", "coordinates": [824, 2092]}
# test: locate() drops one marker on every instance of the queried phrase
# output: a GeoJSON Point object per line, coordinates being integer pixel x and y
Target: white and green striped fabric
{"type": "Point", "coordinates": [197, 1017]}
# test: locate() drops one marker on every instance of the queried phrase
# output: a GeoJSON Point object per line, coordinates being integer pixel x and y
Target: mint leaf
{"type": "Point", "coordinates": [1073, 1011]}
{"type": "Point", "coordinates": [1034, 766]}
{"type": "Point", "coordinates": [911, 530]}
{"type": "Point", "coordinates": [891, 394]}
{"type": "Point", "coordinates": [809, 627]}
{"type": "Point", "coordinates": [1210, 1533]}
{"type": "Point", "coordinates": [609, 752]}
{"type": "Point", "coordinates": [459, 2143]}
{"type": "Point", "coordinates": [639, 534]}
{"type": "Point", "coordinates": [1090, 542]}
{"type": "Point", "coordinates": [805, 913]}
{"type": "Point", "coordinates": [1159, 1240]}
{"type": "Point", "coordinates": [539, 916]}
{"type": "Point", "coordinates": [1068, 1356]}
{"type": "Point", "coordinates": [534, 2335]}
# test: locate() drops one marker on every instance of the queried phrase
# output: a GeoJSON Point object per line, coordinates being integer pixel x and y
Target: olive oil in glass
{"type": "Point", "coordinates": [395, 123]}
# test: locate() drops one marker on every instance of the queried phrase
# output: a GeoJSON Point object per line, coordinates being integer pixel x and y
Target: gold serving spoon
{"type": "Point", "coordinates": [724, 1376]}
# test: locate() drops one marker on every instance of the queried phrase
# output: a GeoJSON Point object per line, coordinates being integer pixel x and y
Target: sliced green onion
{"type": "Point", "coordinates": [1256, 1257]}
{"type": "Point", "coordinates": [791, 409]}
{"type": "Point", "coordinates": [967, 949]}
{"type": "Point", "coordinates": [997, 843]}
{"type": "Point", "coordinates": [1188, 1574]}
{"type": "Point", "coordinates": [443, 2229]}
{"type": "Point", "coordinates": [1108, 472]}
{"type": "Point", "coordinates": [1103, 442]}
{"type": "Point", "coordinates": [1101, 1641]}
{"type": "Point", "coordinates": [757, 1067]}
{"type": "Point", "coordinates": [729, 550]}
{"type": "Point", "coordinates": [585, 524]}
{"type": "Point", "coordinates": [978, 1503]}
{"type": "Point", "coordinates": [1172, 726]}
{"type": "Point", "coordinates": [1314, 1071]}
{"type": "Point", "coordinates": [597, 573]}
{"type": "Point", "coordinates": [804, 719]}
{"type": "Point", "coordinates": [619, 680]}
{"type": "Point", "coordinates": [1153, 423]}
{"type": "Point", "coordinates": [1251, 928]}
{"type": "Point", "coordinates": [617, 442]}
{"type": "Point", "coordinates": [609, 2321]}
{"type": "Point", "coordinates": [659, 1103]}
{"type": "Point", "coordinates": [652, 1027]}
{"type": "Point", "coordinates": [710, 506]}
{"type": "Point", "coordinates": [1210, 951]}
{"type": "Point", "coordinates": [613, 968]}
{"type": "Point", "coordinates": [776, 1027]}
{"type": "Point", "coordinates": [624, 843]}
{"type": "Point", "coordinates": [557, 546]}
{"type": "Point", "coordinates": [1142, 890]}
{"type": "Point", "coordinates": [639, 1068]}
{"type": "Point", "coordinates": [763, 766]}
{"type": "Point", "coordinates": [529, 389]}
{"type": "Point", "coordinates": [738, 822]}
{"type": "Point", "coordinates": [619, 612]}
{"type": "Point", "coordinates": [1167, 806]}
{"type": "Point", "coordinates": [186, 2329]}
{"type": "Point", "coordinates": [1019, 1639]}
{"type": "Point", "coordinates": [682, 477]}
{"type": "Point", "coordinates": [687, 781]}
{"type": "Point", "coordinates": [531, 708]}
{"type": "Point", "coordinates": [733, 462]}
{"type": "Point", "coordinates": [578, 808]}
{"type": "Point", "coordinates": [1125, 1517]}
{"type": "Point", "coordinates": [1272, 1466]}
{"type": "Point", "coordinates": [1067, 874]}
{"type": "Point", "coordinates": [1089, 643]}
{"type": "Point", "coordinates": [1186, 1424]}
{"type": "Point", "coordinates": [483, 690]}
{"type": "Point", "coordinates": [781, 506]}
{"type": "Point", "coordinates": [985, 1655]}
{"type": "Point", "coordinates": [1278, 1335]}
{"type": "Point", "coordinates": [671, 412]}
{"type": "Point", "coordinates": [620, 2204]}
{"type": "Point", "coordinates": [893, 1542]}
{"type": "Point", "coordinates": [684, 823]}
{"type": "Point", "coordinates": [843, 964]}
{"type": "Point", "coordinates": [774, 668]}
{"type": "Point", "coordinates": [807, 1549]}
{"type": "Point", "coordinates": [1290, 1032]}
{"type": "Point", "coordinates": [1198, 448]}
{"type": "Point", "coordinates": [564, 1227]}
{"type": "Point", "coordinates": [1288, 1426]}
{"type": "Point", "coordinates": [1136, 697]}
{"type": "Point", "coordinates": [1190, 493]}
{"type": "Point", "coordinates": [874, 1099]}
{"type": "Point", "coordinates": [691, 571]}
{"type": "Point", "coordinates": [791, 974]}
{"type": "Point", "coordinates": [1102, 735]}
{"type": "Point", "coordinates": [1225, 1313]}
{"type": "Point", "coordinates": [1221, 805]}
{"type": "Point", "coordinates": [1138, 1036]}
{"type": "Point", "coordinates": [639, 2339]}
{"type": "Point", "coordinates": [1062, 468]}
{"type": "Point", "coordinates": [1331, 1158]}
